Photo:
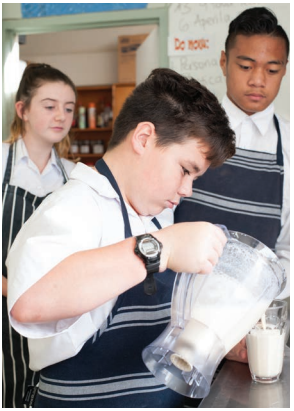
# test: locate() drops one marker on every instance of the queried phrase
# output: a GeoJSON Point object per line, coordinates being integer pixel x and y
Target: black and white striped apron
{"type": "Point", "coordinates": [109, 371]}
{"type": "Point", "coordinates": [17, 206]}
{"type": "Point", "coordinates": [245, 194]}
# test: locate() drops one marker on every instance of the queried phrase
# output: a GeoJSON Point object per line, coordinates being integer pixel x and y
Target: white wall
{"type": "Point", "coordinates": [147, 56]}
{"type": "Point", "coordinates": [85, 69]}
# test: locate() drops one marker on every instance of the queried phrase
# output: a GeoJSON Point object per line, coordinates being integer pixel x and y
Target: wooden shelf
{"type": "Point", "coordinates": [90, 155]}
{"type": "Point", "coordinates": [90, 130]}
{"type": "Point", "coordinates": [114, 95]}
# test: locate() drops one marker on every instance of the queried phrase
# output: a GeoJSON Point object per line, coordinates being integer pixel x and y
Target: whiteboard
{"type": "Point", "coordinates": [211, 21]}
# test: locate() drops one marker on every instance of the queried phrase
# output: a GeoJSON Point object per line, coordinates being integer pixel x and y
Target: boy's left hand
{"type": "Point", "coordinates": [239, 352]}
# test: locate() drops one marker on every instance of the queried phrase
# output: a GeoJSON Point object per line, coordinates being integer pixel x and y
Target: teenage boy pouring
{"type": "Point", "coordinates": [81, 285]}
{"type": "Point", "coordinates": [250, 192]}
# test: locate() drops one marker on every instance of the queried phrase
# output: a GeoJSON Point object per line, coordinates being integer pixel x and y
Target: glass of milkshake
{"type": "Point", "coordinates": [266, 342]}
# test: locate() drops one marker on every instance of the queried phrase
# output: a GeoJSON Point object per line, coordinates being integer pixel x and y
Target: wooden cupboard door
{"type": "Point", "coordinates": [120, 92]}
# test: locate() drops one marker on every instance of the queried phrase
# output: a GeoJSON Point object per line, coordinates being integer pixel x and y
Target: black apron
{"type": "Point", "coordinates": [17, 206]}
{"type": "Point", "coordinates": [245, 194]}
{"type": "Point", "coordinates": [109, 371]}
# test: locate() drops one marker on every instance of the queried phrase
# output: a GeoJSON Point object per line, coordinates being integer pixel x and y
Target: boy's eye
{"type": "Point", "coordinates": [49, 107]}
{"type": "Point", "coordinates": [244, 67]}
{"type": "Point", "coordinates": [185, 171]}
{"type": "Point", "coordinates": [69, 110]}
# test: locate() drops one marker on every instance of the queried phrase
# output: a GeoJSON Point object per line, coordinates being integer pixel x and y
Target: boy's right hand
{"type": "Point", "coordinates": [193, 247]}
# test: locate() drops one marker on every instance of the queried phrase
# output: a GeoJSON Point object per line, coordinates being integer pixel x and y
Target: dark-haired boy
{"type": "Point", "coordinates": [77, 276]}
{"type": "Point", "coordinates": [250, 192]}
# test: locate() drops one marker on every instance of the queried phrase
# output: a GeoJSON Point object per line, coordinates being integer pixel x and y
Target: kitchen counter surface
{"type": "Point", "coordinates": [234, 388]}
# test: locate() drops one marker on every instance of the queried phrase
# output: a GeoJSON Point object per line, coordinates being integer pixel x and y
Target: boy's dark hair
{"type": "Point", "coordinates": [257, 20]}
{"type": "Point", "coordinates": [180, 108]}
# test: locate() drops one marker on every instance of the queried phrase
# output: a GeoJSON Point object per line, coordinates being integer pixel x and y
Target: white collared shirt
{"type": "Point", "coordinates": [26, 175]}
{"type": "Point", "coordinates": [84, 214]}
{"type": "Point", "coordinates": [258, 132]}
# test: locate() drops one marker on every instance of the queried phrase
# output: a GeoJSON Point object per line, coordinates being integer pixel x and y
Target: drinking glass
{"type": "Point", "coordinates": [266, 343]}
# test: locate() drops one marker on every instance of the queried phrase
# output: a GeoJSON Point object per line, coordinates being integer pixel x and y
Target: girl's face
{"type": "Point", "coordinates": [50, 114]}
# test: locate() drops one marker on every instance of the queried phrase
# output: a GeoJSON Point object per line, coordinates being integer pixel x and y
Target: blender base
{"type": "Point", "coordinates": [181, 362]}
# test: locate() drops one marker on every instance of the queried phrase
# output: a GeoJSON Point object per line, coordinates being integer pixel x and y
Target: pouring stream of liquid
{"type": "Point", "coordinates": [263, 322]}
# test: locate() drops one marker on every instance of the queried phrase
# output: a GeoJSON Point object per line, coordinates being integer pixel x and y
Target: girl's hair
{"type": "Point", "coordinates": [35, 76]}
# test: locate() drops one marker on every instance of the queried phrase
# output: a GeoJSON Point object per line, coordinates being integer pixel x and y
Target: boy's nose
{"type": "Point", "coordinates": [186, 188]}
{"type": "Point", "coordinates": [257, 77]}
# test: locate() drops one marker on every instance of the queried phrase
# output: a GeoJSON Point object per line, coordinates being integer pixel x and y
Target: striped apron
{"type": "Point", "coordinates": [109, 371]}
{"type": "Point", "coordinates": [17, 206]}
{"type": "Point", "coordinates": [245, 194]}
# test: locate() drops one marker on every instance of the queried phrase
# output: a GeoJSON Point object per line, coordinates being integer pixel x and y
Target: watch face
{"type": "Point", "coordinates": [149, 247]}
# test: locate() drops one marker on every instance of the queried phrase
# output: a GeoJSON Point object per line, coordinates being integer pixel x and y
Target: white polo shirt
{"type": "Point", "coordinates": [83, 214]}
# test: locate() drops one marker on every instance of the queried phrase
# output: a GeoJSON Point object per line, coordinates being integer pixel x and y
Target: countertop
{"type": "Point", "coordinates": [234, 388]}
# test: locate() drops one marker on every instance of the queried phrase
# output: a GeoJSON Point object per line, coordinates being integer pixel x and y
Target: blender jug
{"type": "Point", "coordinates": [211, 313]}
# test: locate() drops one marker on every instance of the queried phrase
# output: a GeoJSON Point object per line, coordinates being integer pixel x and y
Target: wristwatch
{"type": "Point", "coordinates": [148, 248]}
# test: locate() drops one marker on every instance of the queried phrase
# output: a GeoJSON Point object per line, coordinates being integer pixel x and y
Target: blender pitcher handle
{"type": "Point", "coordinates": [225, 230]}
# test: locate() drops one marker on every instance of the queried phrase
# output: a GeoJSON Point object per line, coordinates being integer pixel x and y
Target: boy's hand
{"type": "Point", "coordinates": [193, 247]}
{"type": "Point", "coordinates": [239, 352]}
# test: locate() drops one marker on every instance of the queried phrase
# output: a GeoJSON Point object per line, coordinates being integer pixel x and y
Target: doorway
{"type": "Point", "coordinates": [89, 57]}
{"type": "Point", "coordinates": [13, 28]}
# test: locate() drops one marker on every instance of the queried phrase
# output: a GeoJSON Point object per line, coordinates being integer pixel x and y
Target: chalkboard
{"type": "Point", "coordinates": [197, 33]}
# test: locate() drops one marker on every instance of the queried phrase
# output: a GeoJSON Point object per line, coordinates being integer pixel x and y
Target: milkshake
{"type": "Point", "coordinates": [266, 343]}
{"type": "Point", "coordinates": [265, 354]}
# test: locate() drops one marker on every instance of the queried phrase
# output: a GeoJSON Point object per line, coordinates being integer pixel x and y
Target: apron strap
{"type": "Point", "coordinates": [103, 169]}
{"type": "Point", "coordinates": [280, 158]}
{"type": "Point", "coordinates": [10, 163]}
{"type": "Point", "coordinates": [60, 165]}
{"type": "Point", "coordinates": [156, 223]}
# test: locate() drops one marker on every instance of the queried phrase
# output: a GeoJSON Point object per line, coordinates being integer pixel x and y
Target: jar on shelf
{"type": "Point", "coordinates": [85, 147]}
{"type": "Point", "coordinates": [92, 115]}
{"type": "Point", "coordinates": [107, 115]}
{"type": "Point", "coordinates": [100, 121]}
{"type": "Point", "coordinates": [82, 117]}
{"type": "Point", "coordinates": [98, 147]}
{"type": "Point", "coordinates": [75, 147]}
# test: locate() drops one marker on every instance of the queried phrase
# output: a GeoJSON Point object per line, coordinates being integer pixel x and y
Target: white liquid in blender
{"type": "Point", "coordinates": [226, 306]}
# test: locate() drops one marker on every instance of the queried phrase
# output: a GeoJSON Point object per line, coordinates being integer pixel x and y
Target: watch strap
{"type": "Point", "coordinates": [150, 286]}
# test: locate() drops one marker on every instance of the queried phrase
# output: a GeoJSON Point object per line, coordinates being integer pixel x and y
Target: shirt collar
{"type": "Point", "coordinates": [22, 154]}
{"type": "Point", "coordinates": [101, 185]}
{"type": "Point", "coordinates": [95, 180]}
{"type": "Point", "coordinates": [262, 119]}
{"type": "Point", "coordinates": [21, 151]}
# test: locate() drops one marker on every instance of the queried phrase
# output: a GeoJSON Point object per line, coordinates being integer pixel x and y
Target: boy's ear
{"type": "Point", "coordinates": [19, 108]}
{"type": "Point", "coordinates": [223, 62]}
{"type": "Point", "coordinates": [142, 136]}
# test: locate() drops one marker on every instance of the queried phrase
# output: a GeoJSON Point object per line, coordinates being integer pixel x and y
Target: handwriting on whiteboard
{"type": "Point", "coordinates": [204, 16]}
{"type": "Point", "coordinates": [188, 45]}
